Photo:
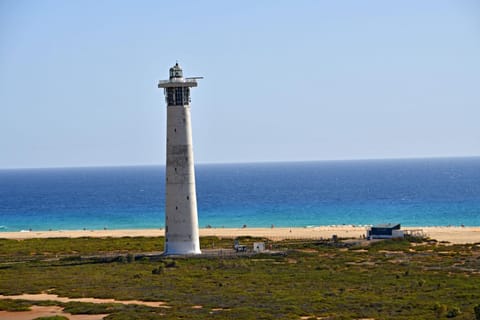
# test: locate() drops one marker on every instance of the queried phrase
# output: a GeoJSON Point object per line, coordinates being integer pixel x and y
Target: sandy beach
{"type": "Point", "coordinates": [454, 235]}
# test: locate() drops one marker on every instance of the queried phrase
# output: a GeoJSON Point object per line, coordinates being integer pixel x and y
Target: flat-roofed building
{"type": "Point", "coordinates": [385, 231]}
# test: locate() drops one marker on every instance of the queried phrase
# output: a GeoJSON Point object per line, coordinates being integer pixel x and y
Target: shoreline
{"type": "Point", "coordinates": [452, 234]}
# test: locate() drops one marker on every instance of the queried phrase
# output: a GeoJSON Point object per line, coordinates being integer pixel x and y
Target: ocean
{"type": "Point", "coordinates": [421, 192]}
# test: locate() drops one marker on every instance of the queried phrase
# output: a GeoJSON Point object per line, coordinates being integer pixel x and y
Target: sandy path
{"type": "Point", "coordinates": [54, 297]}
{"type": "Point", "coordinates": [41, 311]}
{"type": "Point", "coordinates": [49, 311]}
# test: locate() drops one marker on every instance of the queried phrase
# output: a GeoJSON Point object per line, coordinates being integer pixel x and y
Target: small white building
{"type": "Point", "coordinates": [258, 246]}
{"type": "Point", "coordinates": [385, 231]}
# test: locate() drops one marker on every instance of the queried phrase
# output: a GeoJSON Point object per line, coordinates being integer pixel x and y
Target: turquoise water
{"type": "Point", "coordinates": [422, 192]}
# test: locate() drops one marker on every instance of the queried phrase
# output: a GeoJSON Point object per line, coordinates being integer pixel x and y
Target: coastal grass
{"type": "Point", "coordinates": [31, 249]}
{"type": "Point", "coordinates": [385, 280]}
{"type": "Point", "coordinates": [14, 305]}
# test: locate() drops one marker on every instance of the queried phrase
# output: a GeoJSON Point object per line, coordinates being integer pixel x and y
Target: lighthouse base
{"type": "Point", "coordinates": [181, 248]}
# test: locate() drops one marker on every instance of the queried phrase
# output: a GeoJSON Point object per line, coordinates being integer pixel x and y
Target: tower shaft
{"type": "Point", "coordinates": [181, 198]}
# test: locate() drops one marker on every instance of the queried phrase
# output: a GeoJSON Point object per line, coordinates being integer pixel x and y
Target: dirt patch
{"type": "Point", "coordinates": [54, 297]}
{"type": "Point", "coordinates": [49, 311]}
{"type": "Point", "coordinates": [362, 263]}
{"type": "Point", "coordinates": [359, 250]}
{"type": "Point", "coordinates": [390, 252]}
{"type": "Point", "coordinates": [398, 261]}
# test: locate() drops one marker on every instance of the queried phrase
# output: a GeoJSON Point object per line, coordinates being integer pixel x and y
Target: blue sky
{"type": "Point", "coordinates": [284, 80]}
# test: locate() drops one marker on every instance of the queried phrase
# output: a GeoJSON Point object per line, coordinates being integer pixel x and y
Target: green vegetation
{"type": "Point", "coordinates": [52, 318]}
{"type": "Point", "coordinates": [386, 280]}
{"type": "Point", "coordinates": [477, 312]}
{"type": "Point", "coordinates": [35, 249]}
{"type": "Point", "coordinates": [14, 305]}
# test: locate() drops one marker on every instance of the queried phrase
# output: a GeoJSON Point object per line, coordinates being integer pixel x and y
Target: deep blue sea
{"type": "Point", "coordinates": [426, 192]}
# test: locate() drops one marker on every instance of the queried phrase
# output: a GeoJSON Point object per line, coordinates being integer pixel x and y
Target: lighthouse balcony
{"type": "Point", "coordinates": [177, 83]}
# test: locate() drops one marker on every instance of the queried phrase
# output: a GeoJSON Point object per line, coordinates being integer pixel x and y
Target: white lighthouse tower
{"type": "Point", "coordinates": [181, 218]}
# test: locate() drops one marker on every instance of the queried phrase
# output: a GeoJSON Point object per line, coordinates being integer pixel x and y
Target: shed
{"type": "Point", "coordinates": [258, 246]}
{"type": "Point", "coordinates": [385, 231]}
{"type": "Point", "coordinates": [239, 247]}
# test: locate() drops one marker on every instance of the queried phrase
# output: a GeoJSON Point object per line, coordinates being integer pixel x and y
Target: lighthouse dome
{"type": "Point", "coordinates": [176, 72]}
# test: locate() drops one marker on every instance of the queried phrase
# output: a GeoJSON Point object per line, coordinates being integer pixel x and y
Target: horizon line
{"type": "Point", "coordinates": [240, 162]}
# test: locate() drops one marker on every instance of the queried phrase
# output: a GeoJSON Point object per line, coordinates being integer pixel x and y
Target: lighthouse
{"type": "Point", "coordinates": [181, 218]}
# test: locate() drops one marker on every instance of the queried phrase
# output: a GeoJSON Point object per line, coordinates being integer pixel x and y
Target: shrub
{"type": "Point", "coordinates": [158, 270]}
{"type": "Point", "coordinates": [75, 307]}
{"type": "Point", "coordinates": [440, 309]}
{"type": "Point", "coordinates": [170, 264]}
{"type": "Point", "coordinates": [14, 305]}
{"type": "Point", "coordinates": [477, 312]}
{"type": "Point", "coordinates": [452, 313]}
{"type": "Point", "coordinates": [130, 257]}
